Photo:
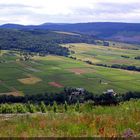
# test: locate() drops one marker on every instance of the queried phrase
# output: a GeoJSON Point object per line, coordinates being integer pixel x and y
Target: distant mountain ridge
{"type": "Point", "coordinates": [125, 32]}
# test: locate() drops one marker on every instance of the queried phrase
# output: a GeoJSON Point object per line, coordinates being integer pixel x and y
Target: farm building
{"type": "Point", "coordinates": [110, 92]}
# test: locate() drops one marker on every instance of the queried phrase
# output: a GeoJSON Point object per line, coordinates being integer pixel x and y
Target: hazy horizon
{"type": "Point", "coordinates": [30, 12]}
{"type": "Point", "coordinates": [64, 23]}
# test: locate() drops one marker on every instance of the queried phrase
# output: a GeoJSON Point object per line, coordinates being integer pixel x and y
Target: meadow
{"type": "Point", "coordinates": [53, 73]}
{"type": "Point", "coordinates": [119, 54]}
{"type": "Point", "coordinates": [86, 121]}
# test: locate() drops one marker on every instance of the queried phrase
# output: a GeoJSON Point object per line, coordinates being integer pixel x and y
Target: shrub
{"type": "Point", "coordinates": [43, 107]}
{"type": "Point", "coordinates": [54, 107]}
{"type": "Point", "coordinates": [66, 106]}
{"type": "Point", "coordinates": [77, 106]}
{"type": "Point", "coordinates": [138, 57]}
{"type": "Point", "coordinates": [125, 56]}
{"type": "Point", "coordinates": [20, 108]}
{"type": "Point", "coordinates": [6, 108]}
{"type": "Point", "coordinates": [31, 108]}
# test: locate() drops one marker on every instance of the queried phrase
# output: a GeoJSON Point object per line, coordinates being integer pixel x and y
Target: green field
{"type": "Point", "coordinates": [105, 55]}
{"type": "Point", "coordinates": [53, 73]}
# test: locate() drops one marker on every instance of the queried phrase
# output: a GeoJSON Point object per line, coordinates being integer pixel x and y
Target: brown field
{"type": "Point", "coordinates": [16, 93]}
{"type": "Point", "coordinates": [121, 61]}
{"type": "Point", "coordinates": [55, 84]}
{"type": "Point", "coordinates": [81, 70]}
{"type": "Point", "coordinates": [66, 33]}
{"type": "Point", "coordinates": [30, 81]}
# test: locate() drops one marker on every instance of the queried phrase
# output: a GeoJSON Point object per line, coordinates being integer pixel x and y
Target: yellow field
{"type": "Point", "coordinates": [80, 49]}
{"type": "Point", "coordinates": [86, 58]}
{"type": "Point", "coordinates": [83, 47]}
{"type": "Point", "coordinates": [2, 52]}
{"type": "Point", "coordinates": [30, 81]}
{"type": "Point", "coordinates": [15, 93]}
{"type": "Point", "coordinates": [49, 57]}
{"type": "Point", "coordinates": [67, 33]}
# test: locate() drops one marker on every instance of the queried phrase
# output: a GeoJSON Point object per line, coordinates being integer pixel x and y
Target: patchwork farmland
{"type": "Point", "coordinates": [53, 73]}
{"type": "Point", "coordinates": [119, 54]}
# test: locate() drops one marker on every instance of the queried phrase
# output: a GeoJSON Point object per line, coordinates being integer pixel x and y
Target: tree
{"type": "Point", "coordinates": [43, 107]}
{"type": "Point", "coordinates": [55, 107]}
{"type": "Point", "coordinates": [49, 107]}
{"type": "Point", "coordinates": [6, 108]}
{"type": "Point", "coordinates": [77, 106]}
{"type": "Point", "coordinates": [20, 108]}
{"type": "Point", "coordinates": [31, 108]}
{"type": "Point", "coordinates": [66, 106]}
{"type": "Point", "coordinates": [105, 43]}
{"type": "Point", "coordinates": [108, 99]}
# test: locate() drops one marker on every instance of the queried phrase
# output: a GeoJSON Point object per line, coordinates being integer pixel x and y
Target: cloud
{"type": "Point", "coordinates": [37, 12]}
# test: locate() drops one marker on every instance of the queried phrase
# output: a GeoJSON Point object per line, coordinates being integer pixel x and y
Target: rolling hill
{"type": "Point", "coordinates": [40, 41]}
{"type": "Point", "coordinates": [124, 32]}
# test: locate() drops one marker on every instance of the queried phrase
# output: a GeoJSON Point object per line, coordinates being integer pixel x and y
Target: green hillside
{"type": "Point", "coordinates": [53, 73]}
{"type": "Point", "coordinates": [117, 54]}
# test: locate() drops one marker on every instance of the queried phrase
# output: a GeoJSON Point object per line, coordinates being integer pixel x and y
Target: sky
{"type": "Point", "coordinates": [34, 12]}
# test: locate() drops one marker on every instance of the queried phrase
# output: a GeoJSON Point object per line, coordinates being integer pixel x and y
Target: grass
{"type": "Point", "coordinates": [104, 55]}
{"type": "Point", "coordinates": [57, 69]}
{"type": "Point", "coordinates": [91, 121]}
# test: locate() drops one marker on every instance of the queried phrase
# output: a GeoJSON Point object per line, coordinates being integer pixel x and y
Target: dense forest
{"type": "Point", "coordinates": [40, 41]}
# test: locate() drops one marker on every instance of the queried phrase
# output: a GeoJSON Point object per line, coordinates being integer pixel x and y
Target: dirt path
{"type": "Point", "coordinates": [55, 84]}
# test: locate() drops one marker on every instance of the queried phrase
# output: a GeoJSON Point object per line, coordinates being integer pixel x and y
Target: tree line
{"type": "Point", "coordinates": [117, 66]}
{"type": "Point", "coordinates": [137, 57]}
{"type": "Point", "coordinates": [28, 108]}
{"type": "Point", "coordinates": [71, 96]}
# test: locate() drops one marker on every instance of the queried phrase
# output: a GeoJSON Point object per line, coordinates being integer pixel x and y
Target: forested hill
{"type": "Point", "coordinates": [125, 32]}
{"type": "Point", "coordinates": [40, 41]}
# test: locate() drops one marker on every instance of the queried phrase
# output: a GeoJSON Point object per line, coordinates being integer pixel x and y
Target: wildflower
{"type": "Point", "coordinates": [128, 133]}
{"type": "Point", "coordinates": [98, 120]}
{"type": "Point", "coordinates": [42, 124]}
{"type": "Point", "coordinates": [101, 131]}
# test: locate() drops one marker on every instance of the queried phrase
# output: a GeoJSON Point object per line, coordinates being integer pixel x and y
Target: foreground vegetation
{"type": "Point", "coordinates": [84, 120]}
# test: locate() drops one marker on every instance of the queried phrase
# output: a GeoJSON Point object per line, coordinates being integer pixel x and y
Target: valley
{"type": "Point", "coordinates": [70, 69]}
{"type": "Point", "coordinates": [52, 73]}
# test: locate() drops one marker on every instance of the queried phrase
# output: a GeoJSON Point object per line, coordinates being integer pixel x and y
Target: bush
{"type": "Point", "coordinates": [125, 56]}
{"type": "Point", "coordinates": [6, 108]}
{"type": "Point", "coordinates": [138, 57]}
{"type": "Point", "coordinates": [20, 108]}
{"type": "Point", "coordinates": [54, 107]}
{"type": "Point", "coordinates": [31, 108]}
{"type": "Point", "coordinates": [43, 107]}
{"type": "Point", "coordinates": [77, 106]}
{"type": "Point", "coordinates": [66, 106]}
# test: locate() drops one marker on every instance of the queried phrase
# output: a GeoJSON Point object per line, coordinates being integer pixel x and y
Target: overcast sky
{"type": "Point", "coordinates": [68, 11]}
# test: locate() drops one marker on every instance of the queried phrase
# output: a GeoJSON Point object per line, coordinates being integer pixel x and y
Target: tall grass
{"type": "Point", "coordinates": [88, 121]}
